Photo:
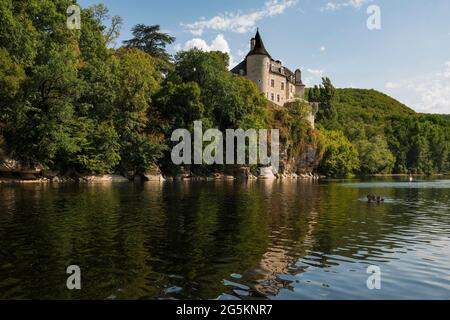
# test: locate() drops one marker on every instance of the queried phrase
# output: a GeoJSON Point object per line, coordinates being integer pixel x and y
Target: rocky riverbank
{"type": "Point", "coordinates": [41, 176]}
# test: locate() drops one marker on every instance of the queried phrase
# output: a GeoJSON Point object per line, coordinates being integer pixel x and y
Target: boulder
{"type": "Point", "coordinates": [107, 178]}
{"type": "Point", "coordinates": [153, 177]}
{"type": "Point", "coordinates": [153, 174]}
{"type": "Point", "coordinates": [56, 179]}
{"type": "Point", "coordinates": [218, 176]}
{"type": "Point", "coordinates": [238, 172]}
{"type": "Point", "coordinates": [267, 173]}
{"type": "Point", "coordinates": [49, 174]}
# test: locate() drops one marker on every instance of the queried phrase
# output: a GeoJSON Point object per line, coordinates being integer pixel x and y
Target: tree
{"type": "Point", "coordinates": [340, 157]}
{"type": "Point", "coordinates": [39, 119]}
{"type": "Point", "coordinates": [101, 15]}
{"type": "Point", "coordinates": [99, 148]}
{"type": "Point", "coordinates": [327, 92]}
{"type": "Point", "coordinates": [12, 76]}
{"type": "Point", "coordinates": [180, 104]}
{"type": "Point", "coordinates": [150, 40]}
{"type": "Point", "coordinates": [313, 94]}
{"type": "Point", "coordinates": [230, 101]}
{"type": "Point", "coordinates": [138, 81]}
{"type": "Point", "coordinates": [375, 156]}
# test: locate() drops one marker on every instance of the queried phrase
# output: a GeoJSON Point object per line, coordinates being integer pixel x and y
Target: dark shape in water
{"type": "Point", "coordinates": [374, 199]}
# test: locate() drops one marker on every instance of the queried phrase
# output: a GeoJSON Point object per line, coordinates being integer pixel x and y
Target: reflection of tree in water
{"type": "Point", "coordinates": [212, 231]}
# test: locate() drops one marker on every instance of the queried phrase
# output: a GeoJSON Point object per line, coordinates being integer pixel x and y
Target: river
{"type": "Point", "coordinates": [226, 240]}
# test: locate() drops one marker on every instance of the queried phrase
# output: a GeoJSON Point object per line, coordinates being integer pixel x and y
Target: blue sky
{"type": "Point", "coordinates": [408, 58]}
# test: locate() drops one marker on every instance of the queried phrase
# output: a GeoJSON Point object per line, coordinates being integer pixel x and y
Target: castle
{"type": "Point", "coordinates": [278, 83]}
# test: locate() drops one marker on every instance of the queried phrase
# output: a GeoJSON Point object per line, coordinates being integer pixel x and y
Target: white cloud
{"type": "Point", "coordinates": [239, 22]}
{"type": "Point", "coordinates": [392, 85]}
{"type": "Point", "coordinates": [316, 72]}
{"type": "Point", "coordinates": [218, 44]}
{"type": "Point", "coordinates": [313, 77]}
{"type": "Point", "coordinates": [334, 6]}
{"type": "Point", "coordinates": [323, 49]}
{"type": "Point", "coordinates": [428, 94]}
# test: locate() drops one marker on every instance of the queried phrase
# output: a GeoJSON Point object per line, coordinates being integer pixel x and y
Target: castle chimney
{"type": "Point", "coordinates": [298, 77]}
{"type": "Point", "coordinates": [252, 43]}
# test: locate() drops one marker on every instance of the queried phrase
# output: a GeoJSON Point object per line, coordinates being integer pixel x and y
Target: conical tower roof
{"type": "Point", "coordinates": [259, 46]}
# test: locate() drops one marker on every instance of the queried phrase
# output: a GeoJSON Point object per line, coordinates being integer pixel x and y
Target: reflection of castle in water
{"type": "Point", "coordinates": [281, 258]}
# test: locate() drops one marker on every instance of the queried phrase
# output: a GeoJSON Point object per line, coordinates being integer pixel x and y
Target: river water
{"type": "Point", "coordinates": [226, 240]}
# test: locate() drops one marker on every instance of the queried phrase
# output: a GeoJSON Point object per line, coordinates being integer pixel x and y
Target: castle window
{"type": "Point", "coordinates": [272, 96]}
{"type": "Point", "coordinates": [272, 83]}
{"type": "Point", "coordinates": [282, 86]}
{"type": "Point", "coordinates": [278, 97]}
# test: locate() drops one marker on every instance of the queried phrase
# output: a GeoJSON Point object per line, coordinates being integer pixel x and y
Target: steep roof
{"type": "Point", "coordinates": [239, 67]}
{"type": "Point", "coordinates": [259, 46]}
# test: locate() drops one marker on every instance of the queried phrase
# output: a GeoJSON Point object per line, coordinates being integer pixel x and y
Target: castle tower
{"type": "Point", "coordinates": [258, 63]}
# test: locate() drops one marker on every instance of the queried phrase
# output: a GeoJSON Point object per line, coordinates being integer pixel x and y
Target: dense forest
{"type": "Point", "coordinates": [73, 102]}
{"type": "Point", "coordinates": [382, 135]}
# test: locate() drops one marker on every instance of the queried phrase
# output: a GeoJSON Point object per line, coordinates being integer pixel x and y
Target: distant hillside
{"type": "Point", "coordinates": [389, 136]}
{"type": "Point", "coordinates": [369, 103]}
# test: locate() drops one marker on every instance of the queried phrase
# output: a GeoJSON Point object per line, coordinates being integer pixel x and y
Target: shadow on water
{"type": "Point", "coordinates": [227, 240]}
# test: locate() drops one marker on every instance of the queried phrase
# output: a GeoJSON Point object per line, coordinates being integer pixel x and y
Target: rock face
{"type": "Point", "coordinates": [29, 175]}
{"type": "Point", "coordinates": [237, 172]}
{"type": "Point", "coordinates": [303, 163]}
{"type": "Point", "coordinates": [8, 166]}
{"type": "Point", "coordinates": [14, 169]}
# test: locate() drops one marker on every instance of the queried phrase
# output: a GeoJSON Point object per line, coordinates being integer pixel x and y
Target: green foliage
{"type": "Point", "coordinates": [390, 137]}
{"type": "Point", "coordinates": [67, 101]}
{"type": "Point", "coordinates": [180, 104]}
{"type": "Point", "coordinates": [134, 94]}
{"type": "Point", "coordinates": [375, 156]}
{"type": "Point", "coordinates": [324, 94]}
{"type": "Point", "coordinates": [101, 14]}
{"type": "Point", "coordinates": [295, 129]}
{"type": "Point", "coordinates": [40, 122]}
{"type": "Point", "coordinates": [150, 40]}
{"type": "Point", "coordinates": [421, 143]}
{"type": "Point", "coordinates": [99, 148]}
{"type": "Point", "coordinates": [200, 87]}
{"type": "Point", "coordinates": [229, 101]}
{"type": "Point", "coordinates": [340, 157]}
{"type": "Point", "coordinates": [12, 76]}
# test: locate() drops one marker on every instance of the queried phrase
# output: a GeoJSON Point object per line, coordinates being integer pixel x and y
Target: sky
{"type": "Point", "coordinates": [407, 56]}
